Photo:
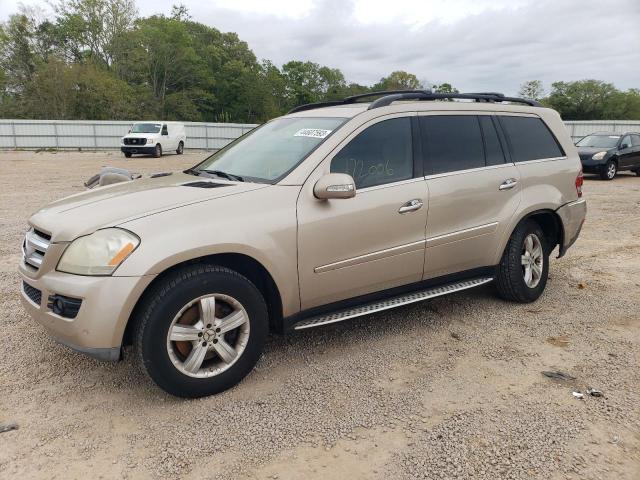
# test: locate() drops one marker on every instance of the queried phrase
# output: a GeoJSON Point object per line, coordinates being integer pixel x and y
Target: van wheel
{"type": "Point", "coordinates": [127, 154]}
{"type": "Point", "coordinates": [201, 330]}
{"type": "Point", "coordinates": [524, 268]}
{"type": "Point", "coordinates": [157, 152]}
{"type": "Point", "coordinates": [608, 172]}
{"type": "Point", "coordinates": [180, 149]}
{"type": "Point", "coordinates": [638, 172]}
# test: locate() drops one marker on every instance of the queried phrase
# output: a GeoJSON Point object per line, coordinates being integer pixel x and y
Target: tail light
{"type": "Point", "coordinates": [579, 182]}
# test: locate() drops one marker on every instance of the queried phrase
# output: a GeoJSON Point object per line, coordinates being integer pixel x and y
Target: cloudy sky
{"type": "Point", "coordinates": [476, 45]}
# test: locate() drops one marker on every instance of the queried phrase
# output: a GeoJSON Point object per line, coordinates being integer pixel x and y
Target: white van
{"type": "Point", "coordinates": [154, 138]}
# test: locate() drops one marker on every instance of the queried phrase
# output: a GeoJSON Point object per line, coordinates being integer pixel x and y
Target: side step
{"type": "Point", "coordinates": [388, 303]}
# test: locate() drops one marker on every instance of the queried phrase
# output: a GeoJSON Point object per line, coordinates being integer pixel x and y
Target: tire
{"type": "Point", "coordinates": [180, 307]}
{"type": "Point", "coordinates": [609, 171]}
{"type": "Point", "coordinates": [157, 152]}
{"type": "Point", "coordinates": [638, 173]}
{"type": "Point", "coordinates": [180, 149]}
{"type": "Point", "coordinates": [127, 154]}
{"type": "Point", "coordinates": [511, 278]}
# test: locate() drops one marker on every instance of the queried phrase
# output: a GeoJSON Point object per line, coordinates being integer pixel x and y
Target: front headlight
{"type": "Point", "coordinates": [149, 140]}
{"type": "Point", "coordinates": [99, 253]}
{"type": "Point", "coordinates": [599, 156]}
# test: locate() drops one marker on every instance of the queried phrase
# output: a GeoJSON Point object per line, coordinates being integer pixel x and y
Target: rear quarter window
{"type": "Point", "coordinates": [530, 139]}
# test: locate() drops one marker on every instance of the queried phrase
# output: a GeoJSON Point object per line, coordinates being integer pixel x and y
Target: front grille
{"type": "Point", "coordinates": [34, 294]}
{"type": "Point", "coordinates": [35, 247]}
{"type": "Point", "coordinates": [135, 141]}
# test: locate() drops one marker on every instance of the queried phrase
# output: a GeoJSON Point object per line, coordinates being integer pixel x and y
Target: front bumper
{"type": "Point", "coordinates": [138, 149]}
{"type": "Point", "coordinates": [592, 166]}
{"type": "Point", "coordinates": [572, 216]}
{"type": "Point", "coordinates": [107, 302]}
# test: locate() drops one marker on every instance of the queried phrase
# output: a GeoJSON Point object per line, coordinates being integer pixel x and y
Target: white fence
{"type": "Point", "coordinates": [101, 135]}
{"type": "Point", "coordinates": [580, 128]}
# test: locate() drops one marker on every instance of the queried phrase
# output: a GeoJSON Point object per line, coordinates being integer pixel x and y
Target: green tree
{"type": "Point", "coordinates": [398, 80]}
{"type": "Point", "coordinates": [581, 100]}
{"type": "Point", "coordinates": [532, 89]}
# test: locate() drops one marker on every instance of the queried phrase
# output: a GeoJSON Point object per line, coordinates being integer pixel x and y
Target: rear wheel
{"type": "Point", "coordinates": [609, 171]}
{"type": "Point", "coordinates": [524, 268]}
{"type": "Point", "coordinates": [180, 149]}
{"type": "Point", "coordinates": [157, 152]}
{"type": "Point", "coordinates": [638, 172]}
{"type": "Point", "coordinates": [201, 330]}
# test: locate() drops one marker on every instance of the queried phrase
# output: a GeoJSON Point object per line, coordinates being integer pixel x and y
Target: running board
{"type": "Point", "coordinates": [388, 303]}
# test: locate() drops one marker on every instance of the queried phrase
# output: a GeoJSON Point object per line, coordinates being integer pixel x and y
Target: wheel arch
{"type": "Point", "coordinates": [549, 221]}
{"type": "Point", "coordinates": [241, 263]}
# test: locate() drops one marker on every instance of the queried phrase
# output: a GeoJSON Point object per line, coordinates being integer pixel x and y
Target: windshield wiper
{"type": "Point", "coordinates": [228, 176]}
{"type": "Point", "coordinates": [192, 171]}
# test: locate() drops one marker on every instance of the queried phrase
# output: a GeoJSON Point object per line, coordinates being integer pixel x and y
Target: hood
{"type": "Point", "coordinates": [85, 212]}
{"type": "Point", "coordinates": [592, 150]}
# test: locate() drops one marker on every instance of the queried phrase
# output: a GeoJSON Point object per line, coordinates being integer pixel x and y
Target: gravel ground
{"type": "Point", "coordinates": [450, 388]}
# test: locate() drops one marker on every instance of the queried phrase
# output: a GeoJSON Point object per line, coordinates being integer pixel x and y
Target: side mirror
{"type": "Point", "coordinates": [165, 132]}
{"type": "Point", "coordinates": [335, 185]}
{"type": "Point", "coordinates": [623, 146]}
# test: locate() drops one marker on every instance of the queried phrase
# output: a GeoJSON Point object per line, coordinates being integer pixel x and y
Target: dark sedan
{"type": "Point", "coordinates": [607, 153]}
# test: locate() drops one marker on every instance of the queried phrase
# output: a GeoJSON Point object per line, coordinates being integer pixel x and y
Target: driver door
{"type": "Point", "coordinates": [375, 240]}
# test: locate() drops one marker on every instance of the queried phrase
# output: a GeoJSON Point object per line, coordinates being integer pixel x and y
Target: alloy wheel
{"type": "Point", "coordinates": [208, 335]}
{"type": "Point", "coordinates": [532, 260]}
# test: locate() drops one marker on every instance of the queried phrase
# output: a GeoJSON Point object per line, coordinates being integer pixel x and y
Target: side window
{"type": "Point", "coordinates": [165, 131]}
{"type": "Point", "coordinates": [530, 139]}
{"type": "Point", "coordinates": [380, 154]}
{"type": "Point", "coordinates": [635, 140]}
{"type": "Point", "coordinates": [626, 140]}
{"type": "Point", "coordinates": [492, 148]}
{"type": "Point", "coordinates": [453, 142]}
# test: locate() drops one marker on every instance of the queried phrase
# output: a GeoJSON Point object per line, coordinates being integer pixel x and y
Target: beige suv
{"type": "Point", "coordinates": [332, 211]}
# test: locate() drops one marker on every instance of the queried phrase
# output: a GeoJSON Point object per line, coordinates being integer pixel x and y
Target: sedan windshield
{"type": "Point", "coordinates": [272, 150]}
{"type": "Point", "coordinates": [146, 128]}
{"type": "Point", "coordinates": [599, 141]}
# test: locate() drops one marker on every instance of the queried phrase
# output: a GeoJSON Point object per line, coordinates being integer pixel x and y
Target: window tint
{"type": "Point", "coordinates": [492, 148]}
{"type": "Point", "coordinates": [530, 139]}
{"type": "Point", "coordinates": [453, 142]}
{"type": "Point", "coordinates": [380, 154]}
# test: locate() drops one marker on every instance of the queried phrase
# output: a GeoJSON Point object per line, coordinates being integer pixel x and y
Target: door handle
{"type": "Point", "coordinates": [411, 206]}
{"type": "Point", "coordinates": [508, 184]}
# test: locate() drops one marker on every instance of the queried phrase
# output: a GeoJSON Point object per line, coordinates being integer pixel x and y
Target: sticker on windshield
{"type": "Point", "coordinates": [312, 133]}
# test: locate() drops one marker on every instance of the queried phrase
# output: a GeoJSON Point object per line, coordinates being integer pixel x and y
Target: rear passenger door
{"type": "Point", "coordinates": [626, 155]}
{"type": "Point", "coordinates": [635, 140]}
{"type": "Point", "coordinates": [473, 191]}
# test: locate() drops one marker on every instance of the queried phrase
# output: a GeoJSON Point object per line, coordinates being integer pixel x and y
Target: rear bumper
{"type": "Point", "coordinates": [572, 215]}
{"type": "Point", "coordinates": [137, 149]}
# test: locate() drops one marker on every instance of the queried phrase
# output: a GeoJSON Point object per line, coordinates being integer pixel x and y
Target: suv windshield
{"type": "Point", "coordinates": [272, 150]}
{"type": "Point", "coordinates": [599, 141]}
{"type": "Point", "coordinates": [145, 128]}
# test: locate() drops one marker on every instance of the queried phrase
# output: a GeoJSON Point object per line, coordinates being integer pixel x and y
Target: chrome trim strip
{"type": "Point", "coordinates": [462, 234]}
{"type": "Point", "coordinates": [540, 160]}
{"type": "Point", "coordinates": [393, 184]}
{"type": "Point", "coordinates": [32, 245]}
{"type": "Point", "coordinates": [468, 170]}
{"type": "Point", "coordinates": [393, 302]}
{"type": "Point", "coordinates": [368, 257]}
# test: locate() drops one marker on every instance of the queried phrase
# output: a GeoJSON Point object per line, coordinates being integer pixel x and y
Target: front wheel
{"type": "Point", "coordinates": [524, 268]}
{"type": "Point", "coordinates": [127, 154]}
{"type": "Point", "coordinates": [180, 149]}
{"type": "Point", "coordinates": [609, 171]}
{"type": "Point", "coordinates": [157, 152]}
{"type": "Point", "coordinates": [201, 330]}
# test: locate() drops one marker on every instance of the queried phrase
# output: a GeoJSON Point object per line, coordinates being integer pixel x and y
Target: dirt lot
{"type": "Point", "coordinates": [446, 389]}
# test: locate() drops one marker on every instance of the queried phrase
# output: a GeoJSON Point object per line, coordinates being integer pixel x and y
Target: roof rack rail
{"type": "Point", "coordinates": [390, 96]}
{"type": "Point", "coordinates": [349, 100]}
